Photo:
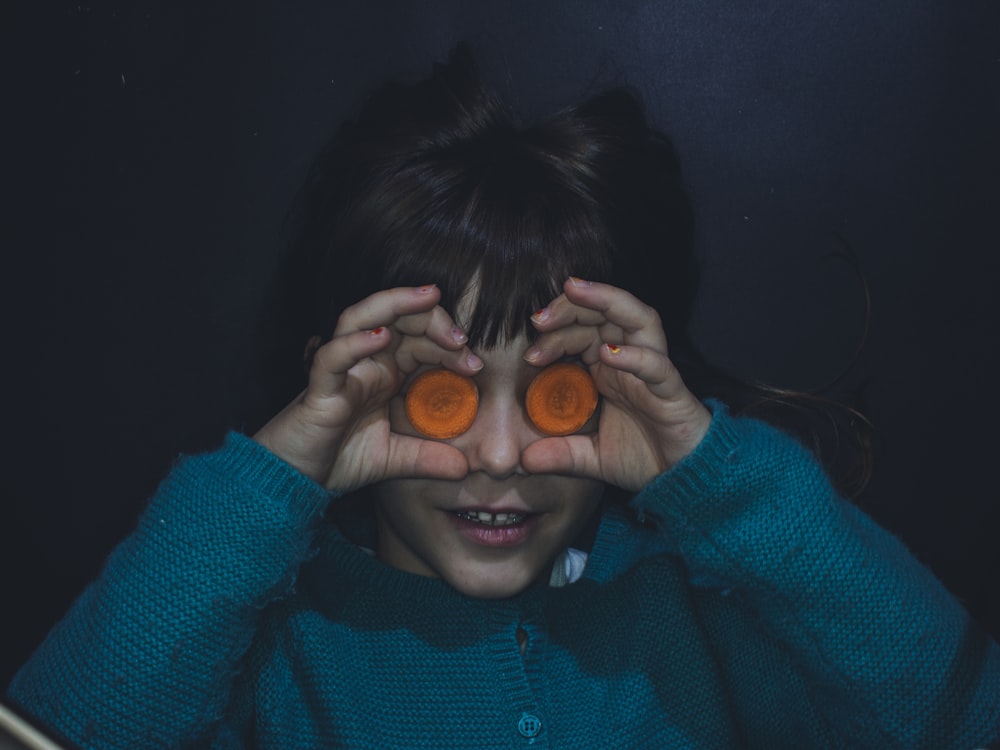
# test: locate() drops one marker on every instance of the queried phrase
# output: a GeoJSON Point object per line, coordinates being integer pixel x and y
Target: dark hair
{"type": "Point", "coordinates": [435, 182]}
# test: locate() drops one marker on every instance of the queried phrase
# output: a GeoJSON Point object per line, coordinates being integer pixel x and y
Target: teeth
{"type": "Point", "coordinates": [491, 519]}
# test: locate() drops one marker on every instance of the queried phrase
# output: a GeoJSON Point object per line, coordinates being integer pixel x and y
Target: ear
{"type": "Point", "coordinates": [309, 352]}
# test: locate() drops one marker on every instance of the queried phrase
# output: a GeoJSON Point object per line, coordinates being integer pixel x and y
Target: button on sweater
{"type": "Point", "coordinates": [735, 602]}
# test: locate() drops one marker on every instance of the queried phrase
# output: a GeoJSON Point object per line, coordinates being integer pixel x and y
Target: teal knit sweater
{"type": "Point", "coordinates": [737, 603]}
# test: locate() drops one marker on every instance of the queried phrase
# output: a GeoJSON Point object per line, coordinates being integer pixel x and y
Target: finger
{"type": "Point", "coordinates": [434, 324]}
{"type": "Point", "coordinates": [562, 312]}
{"type": "Point", "coordinates": [414, 352]}
{"type": "Point", "coordinates": [386, 307]}
{"type": "Point", "coordinates": [574, 455]}
{"type": "Point", "coordinates": [570, 341]}
{"type": "Point", "coordinates": [416, 457]}
{"type": "Point", "coordinates": [651, 367]}
{"type": "Point", "coordinates": [585, 301]}
{"type": "Point", "coordinates": [333, 360]}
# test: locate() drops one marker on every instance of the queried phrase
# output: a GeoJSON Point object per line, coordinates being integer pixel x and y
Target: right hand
{"type": "Point", "coordinates": [337, 430]}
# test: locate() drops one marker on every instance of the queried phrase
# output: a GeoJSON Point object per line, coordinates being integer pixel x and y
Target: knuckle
{"type": "Point", "coordinates": [322, 356]}
{"type": "Point", "coordinates": [650, 313]}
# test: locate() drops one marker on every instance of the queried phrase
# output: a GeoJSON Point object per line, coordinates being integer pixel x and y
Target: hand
{"type": "Point", "coordinates": [337, 430]}
{"type": "Point", "coordinates": [648, 421]}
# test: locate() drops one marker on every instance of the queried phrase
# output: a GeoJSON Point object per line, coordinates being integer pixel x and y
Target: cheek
{"type": "Point", "coordinates": [408, 529]}
{"type": "Point", "coordinates": [580, 497]}
{"type": "Point", "coordinates": [397, 497]}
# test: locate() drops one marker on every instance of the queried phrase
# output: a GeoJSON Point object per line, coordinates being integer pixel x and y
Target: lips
{"type": "Point", "coordinates": [503, 528]}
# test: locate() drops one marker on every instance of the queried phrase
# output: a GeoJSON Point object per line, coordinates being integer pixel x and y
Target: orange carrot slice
{"type": "Point", "coordinates": [441, 403]}
{"type": "Point", "coordinates": [561, 399]}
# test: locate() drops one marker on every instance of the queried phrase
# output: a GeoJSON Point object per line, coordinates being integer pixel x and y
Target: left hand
{"type": "Point", "coordinates": [648, 421]}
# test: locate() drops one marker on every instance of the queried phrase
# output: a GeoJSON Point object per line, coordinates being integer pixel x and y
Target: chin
{"type": "Point", "coordinates": [499, 584]}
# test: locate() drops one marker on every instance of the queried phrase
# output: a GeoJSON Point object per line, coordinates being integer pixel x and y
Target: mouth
{"type": "Point", "coordinates": [492, 519]}
{"type": "Point", "coordinates": [498, 529]}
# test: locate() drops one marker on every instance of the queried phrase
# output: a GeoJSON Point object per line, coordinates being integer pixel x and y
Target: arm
{"type": "Point", "coordinates": [148, 653]}
{"type": "Point", "coordinates": [893, 659]}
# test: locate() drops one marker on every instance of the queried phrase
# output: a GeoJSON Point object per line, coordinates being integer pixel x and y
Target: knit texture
{"type": "Point", "coordinates": [737, 603]}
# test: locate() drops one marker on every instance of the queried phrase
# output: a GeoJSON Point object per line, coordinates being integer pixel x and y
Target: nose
{"type": "Point", "coordinates": [498, 435]}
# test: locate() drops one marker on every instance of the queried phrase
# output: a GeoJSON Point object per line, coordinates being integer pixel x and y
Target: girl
{"type": "Point", "coordinates": [367, 573]}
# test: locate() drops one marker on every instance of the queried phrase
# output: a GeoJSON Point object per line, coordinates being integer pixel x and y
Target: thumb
{"type": "Point", "coordinates": [415, 457]}
{"type": "Point", "coordinates": [575, 455]}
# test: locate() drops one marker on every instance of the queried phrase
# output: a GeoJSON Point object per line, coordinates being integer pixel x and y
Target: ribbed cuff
{"type": "Point", "coordinates": [246, 467]}
{"type": "Point", "coordinates": [701, 474]}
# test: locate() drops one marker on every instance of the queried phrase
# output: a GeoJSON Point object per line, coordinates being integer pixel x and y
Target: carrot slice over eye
{"type": "Point", "coordinates": [561, 399]}
{"type": "Point", "coordinates": [441, 403]}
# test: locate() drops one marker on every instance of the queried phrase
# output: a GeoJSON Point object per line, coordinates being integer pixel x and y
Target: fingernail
{"type": "Point", "coordinates": [376, 331]}
{"type": "Point", "coordinates": [541, 316]}
{"type": "Point", "coordinates": [576, 281]}
{"type": "Point", "coordinates": [474, 362]}
{"type": "Point", "coordinates": [532, 354]}
{"type": "Point", "coordinates": [458, 335]}
{"type": "Point", "coordinates": [613, 349]}
{"type": "Point", "coordinates": [426, 288]}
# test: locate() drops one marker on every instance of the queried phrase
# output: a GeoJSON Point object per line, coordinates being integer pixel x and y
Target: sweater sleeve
{"type": "Point", "coordinates": [893, 659]}
{"type": "Point", "coordinates": [147, 655]}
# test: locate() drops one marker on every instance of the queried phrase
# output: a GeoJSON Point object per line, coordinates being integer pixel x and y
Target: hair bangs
{"type": "Point", "coordinates": [509, 233]}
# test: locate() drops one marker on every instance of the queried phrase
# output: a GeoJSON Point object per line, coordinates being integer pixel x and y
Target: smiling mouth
{"type": "Point", "coordinates": [491, 519]}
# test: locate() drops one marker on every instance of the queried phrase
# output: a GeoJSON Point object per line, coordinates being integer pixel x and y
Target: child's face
{"type": "Point", "coordinates": [420, 521]}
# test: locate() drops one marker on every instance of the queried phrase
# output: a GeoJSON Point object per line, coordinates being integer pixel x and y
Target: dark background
{"type": "Point", "coordinates": [152, 148]}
